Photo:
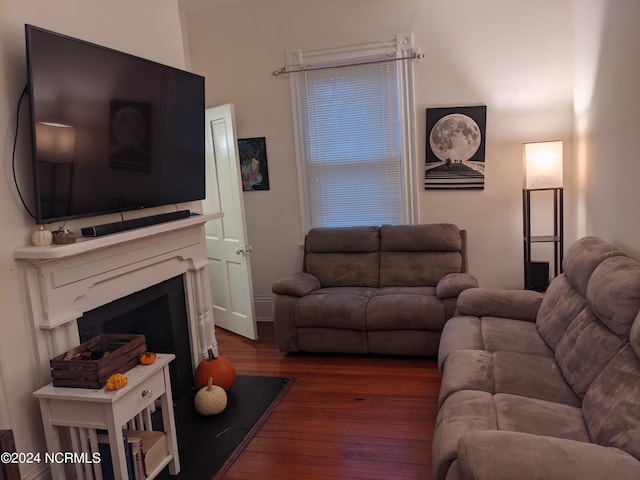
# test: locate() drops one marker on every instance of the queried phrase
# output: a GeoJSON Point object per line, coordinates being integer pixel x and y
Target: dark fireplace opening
{"type": "Point", "coordinates": [159, 313]}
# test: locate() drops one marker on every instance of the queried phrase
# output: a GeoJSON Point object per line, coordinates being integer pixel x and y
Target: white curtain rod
{"type": "Point", "coordinates": [284, 70]}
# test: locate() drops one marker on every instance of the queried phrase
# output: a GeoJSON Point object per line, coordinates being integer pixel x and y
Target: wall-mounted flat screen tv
{"type": "Point", "coordinates": [110, 131]}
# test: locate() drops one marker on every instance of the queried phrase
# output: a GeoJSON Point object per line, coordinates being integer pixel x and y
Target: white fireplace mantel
{"type": "Point", "coordinates": [65, 281]}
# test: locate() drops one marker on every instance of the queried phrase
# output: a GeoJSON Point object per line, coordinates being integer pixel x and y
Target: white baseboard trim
{"type": "Point", "coordinates": [263, 305]}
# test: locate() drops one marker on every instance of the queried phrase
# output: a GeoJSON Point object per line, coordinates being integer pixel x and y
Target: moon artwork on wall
{"type": "Point", "coordinates": [455, 148]}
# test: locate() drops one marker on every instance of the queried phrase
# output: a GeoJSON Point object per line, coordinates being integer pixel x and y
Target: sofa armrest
{"type": "Point", "coordinates": [452, 284]}
{"type": "Point", "coordinates": [493, 302]}
{"type": "Point", "coordinates": [297, 284]}
{"type": "Point", "coordinates": [502, 455]}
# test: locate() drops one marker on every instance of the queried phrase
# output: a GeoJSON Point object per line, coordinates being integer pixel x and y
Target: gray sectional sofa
{"type": "Point", "coordinates": [382, 290]}
{"type": "Point", "coordinates": [545, 386]}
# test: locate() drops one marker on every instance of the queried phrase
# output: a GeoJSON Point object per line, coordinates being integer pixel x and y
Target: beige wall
{"type": "Point", "coordinates": [607, 99]}
{"type": "Point", "coordinates": [515, 57]}
{"type": "Point", "coordinates": [148, 28]}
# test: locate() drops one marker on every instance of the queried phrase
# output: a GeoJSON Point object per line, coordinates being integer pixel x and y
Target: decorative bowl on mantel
{"type": "Point", "coordinates": [63, 236]}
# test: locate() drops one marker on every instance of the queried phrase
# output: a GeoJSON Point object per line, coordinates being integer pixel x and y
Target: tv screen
{"type": "Point", "coordinates": [110, 131]}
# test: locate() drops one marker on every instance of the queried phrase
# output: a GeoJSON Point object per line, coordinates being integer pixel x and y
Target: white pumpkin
{"type": "Point", "coordinates": [42, 237]}
{"type": "Point", "coordinates": [210, 400]}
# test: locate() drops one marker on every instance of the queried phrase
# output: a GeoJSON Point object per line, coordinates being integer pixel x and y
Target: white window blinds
{"type": "Point", "coordinates": [354, 127]}
{"type": "Point", "coordinates": [352, 145]}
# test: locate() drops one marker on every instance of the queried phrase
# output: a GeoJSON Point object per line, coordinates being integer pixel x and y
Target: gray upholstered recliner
{"type": "Point", "coordinates": [545, 386]}
{"type": "Point", "coordinates": [383, 290]}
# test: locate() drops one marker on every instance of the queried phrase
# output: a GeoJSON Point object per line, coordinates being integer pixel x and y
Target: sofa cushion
{"type": "Point", "coordinates": [610, 406]}
{"type": "Point", "coordinates": [531, 376]}
{"type": "Point", "coordinates": [465, 411]}
{"type": "Point", "coordinates": [583, 257]}
{"type": "Point", "coordinates": [344, 269]}
{"type": "Point", "coordinates": [585, 350]}
{"type": "Point", "coordinates": [405, 308]}
{"type": "Point", "coordinates": [540, 417]}
{"type": "Point", "coordinates": [411, 269]}
{"type": "Point", "coordinates": [343, 239]}
{"type": "Point", "coordinates": [439, 237]}
{"type": "Point", "coordinates": [560, 306]}
{"type": "Point", "coordinates": [470, 411]}
{"type": "Point", "coordinates": [467, 370]}
{"type": "Point", "coordinates": [566, 295]}
{"type": "Point", "coordinates": [512, 373]}
{"type": "Point", "coordinates": [614, 293]}
{"type": "Point", "coordinates": [337, 307]}
{"type": "Point", "coordinates": [490, 334]}
{"type": "Point", "coordinates": [502, 455]}
{"type": "Point", "coordinates": [343, 257]}
{"type": "Point", "coordinates": [297, 284]}
{"type": "Point", "coordinates": [453, 284]}
{"type": "Point", "coordinates": [507, 335]}
{"type": "Point", "coordinates": [493, 302]}
{"type": "Point", "coordinates": [459, 333]}
{"type": "Point", "coordinates": [416, 255]}
{"type": "Point", "coordinates": [597, 333]}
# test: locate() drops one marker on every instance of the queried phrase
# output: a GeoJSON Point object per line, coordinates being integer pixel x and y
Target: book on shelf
{"type": "Point", "coordinates": [144, 452]}
{"type": "Point", "coordinates": [154, 446]}
{"type": "Point", "coordinates": [106, 460]}
{"type": "Point", "coordinates": [137, 458]}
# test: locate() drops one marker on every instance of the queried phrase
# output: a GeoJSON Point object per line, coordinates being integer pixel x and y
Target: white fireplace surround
{"type": "Point", "coordinates": [64, 281]}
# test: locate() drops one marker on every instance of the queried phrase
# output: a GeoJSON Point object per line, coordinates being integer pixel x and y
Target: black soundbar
{"type": "Point", "coordinates": [107, 228]}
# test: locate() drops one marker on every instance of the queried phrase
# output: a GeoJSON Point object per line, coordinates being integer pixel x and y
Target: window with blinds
{"type": "Point", "coordinates": [350, 120]}
{"type": "Point", "coordinates": [354, 126]}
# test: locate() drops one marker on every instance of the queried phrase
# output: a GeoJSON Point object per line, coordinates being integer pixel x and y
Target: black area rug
{"type": "Point", "coordinates": [208, 446]}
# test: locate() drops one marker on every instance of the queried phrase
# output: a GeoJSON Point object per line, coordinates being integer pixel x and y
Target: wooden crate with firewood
{"type": "Point", "coordinates": [90, 364]}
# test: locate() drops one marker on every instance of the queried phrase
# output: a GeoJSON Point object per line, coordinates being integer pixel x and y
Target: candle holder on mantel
{"type": "Point", "coordinates": [63, 236]}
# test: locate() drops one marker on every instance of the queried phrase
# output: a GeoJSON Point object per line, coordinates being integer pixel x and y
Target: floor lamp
{"type": "Point", "coordinates": [542, 172]}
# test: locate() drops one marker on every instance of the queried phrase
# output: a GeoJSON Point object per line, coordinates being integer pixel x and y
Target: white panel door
{"type": "Point", "coordinates": [227, 246]}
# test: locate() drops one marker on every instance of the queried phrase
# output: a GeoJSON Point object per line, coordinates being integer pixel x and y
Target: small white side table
{"type": "Point", "coordinates": [84, 410]}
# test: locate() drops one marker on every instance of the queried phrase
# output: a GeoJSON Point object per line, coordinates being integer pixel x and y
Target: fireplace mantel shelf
{"type": "Point", "coordinates": [84, 245]}
{"type": "Point", "coordinates": [64, 281]}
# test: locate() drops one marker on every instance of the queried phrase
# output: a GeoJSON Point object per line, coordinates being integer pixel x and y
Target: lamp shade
{"type": "Point", "coordinates": [543, 165]}
{"type": "Point", "coordinates": [55, 140]}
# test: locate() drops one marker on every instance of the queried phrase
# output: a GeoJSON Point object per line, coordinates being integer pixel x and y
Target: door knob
{"type": "Point", "coordinates": [244, 250]}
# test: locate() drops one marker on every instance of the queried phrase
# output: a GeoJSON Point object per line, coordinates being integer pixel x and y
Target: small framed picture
{"type": "Point", "coordinates": [253, 163]}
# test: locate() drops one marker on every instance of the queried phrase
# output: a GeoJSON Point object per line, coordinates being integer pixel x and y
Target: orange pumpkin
{"type": "Point", "coordinates": [116, 381]}
{"type": "Point", "coordinates": [220, 369]}
{"type": "Point", "coordinates": [147, 358]}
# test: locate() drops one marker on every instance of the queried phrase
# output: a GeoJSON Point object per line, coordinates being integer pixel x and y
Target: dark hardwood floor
{"type": "Point", "coordinates": [345, 417]}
